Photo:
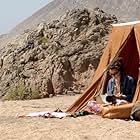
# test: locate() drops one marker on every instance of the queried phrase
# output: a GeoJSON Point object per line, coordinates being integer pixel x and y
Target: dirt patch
{"type": "Point", "coordinates": [81, 128]}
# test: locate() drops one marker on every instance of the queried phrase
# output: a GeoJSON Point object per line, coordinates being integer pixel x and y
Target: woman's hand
{"type": "Point", "coordinates": [120, 96]}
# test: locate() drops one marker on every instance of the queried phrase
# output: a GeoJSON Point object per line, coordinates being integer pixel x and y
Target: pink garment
{"type": "Point", "coordinates": [94, 107]}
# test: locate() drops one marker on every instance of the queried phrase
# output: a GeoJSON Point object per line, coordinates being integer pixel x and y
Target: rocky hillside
{"type": "Point", "coordinates": [55, 58]}
{"type": "Point", "coordinates": [125, 10]}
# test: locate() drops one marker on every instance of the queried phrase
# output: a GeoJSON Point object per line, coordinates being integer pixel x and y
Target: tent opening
{"type": "Point", "coordinates": [130, 56]}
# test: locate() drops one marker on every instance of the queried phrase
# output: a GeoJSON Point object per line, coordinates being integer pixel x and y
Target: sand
{"type": "Point", "coordinates": [90, 127]}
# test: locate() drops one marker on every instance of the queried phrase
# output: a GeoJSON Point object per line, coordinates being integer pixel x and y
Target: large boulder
{"type": "Point", "coordinates": [56, 58]}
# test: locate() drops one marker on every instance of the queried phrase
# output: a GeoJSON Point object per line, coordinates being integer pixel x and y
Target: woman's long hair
{"type": "Point", "coordinates": [118, 65]}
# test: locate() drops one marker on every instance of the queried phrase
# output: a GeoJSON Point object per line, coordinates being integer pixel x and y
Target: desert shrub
{"type": "Point", "coordinates": [16, 92]}
{"type": "Point", "coordinates": [20, 92]}
{"type": "Point", "coordinates": [35, 94]}
{"type": "Point", "coordinates": [42, 40]}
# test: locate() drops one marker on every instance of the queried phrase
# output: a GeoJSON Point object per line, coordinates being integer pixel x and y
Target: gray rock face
{"type": "Point", "coordinates": [56, 58]}
{"type": "Point", "coordinates": [124, 10]}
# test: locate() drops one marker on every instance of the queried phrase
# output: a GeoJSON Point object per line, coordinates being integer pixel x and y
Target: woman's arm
{"type": "Point", "coordinates": [130, 89]}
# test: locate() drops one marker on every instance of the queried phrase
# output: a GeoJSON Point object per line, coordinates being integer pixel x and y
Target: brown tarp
{"type": "Point", "coordinates": [124, 41]}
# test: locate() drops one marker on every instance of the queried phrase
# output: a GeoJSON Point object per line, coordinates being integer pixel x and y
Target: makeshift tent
{"type": "Point", "coordinates": [124, 41]}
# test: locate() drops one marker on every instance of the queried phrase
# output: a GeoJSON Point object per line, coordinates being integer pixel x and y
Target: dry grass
{"type": "Point", "coordinates": [81, 128]}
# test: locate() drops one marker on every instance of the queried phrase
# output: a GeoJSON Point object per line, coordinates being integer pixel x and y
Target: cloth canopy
{"type": "Point", "coordinates": [124, 41]}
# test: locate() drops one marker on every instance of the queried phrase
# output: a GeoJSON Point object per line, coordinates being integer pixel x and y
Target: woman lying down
{"type": "Point", "coordinates": [46, 114]}
{"type": "Point", "coordinates": [92, 108]}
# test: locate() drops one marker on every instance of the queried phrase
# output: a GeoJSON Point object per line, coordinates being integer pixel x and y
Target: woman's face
{"type": "Point", "coordinates": [114, 73]}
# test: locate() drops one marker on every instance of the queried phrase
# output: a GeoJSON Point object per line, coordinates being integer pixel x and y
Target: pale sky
{"type": "Point", "coordinates": [13, 12]}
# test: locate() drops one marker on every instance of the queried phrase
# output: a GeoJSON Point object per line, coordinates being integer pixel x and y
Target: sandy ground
{"type": "Point", "coordinates": [90, 127]}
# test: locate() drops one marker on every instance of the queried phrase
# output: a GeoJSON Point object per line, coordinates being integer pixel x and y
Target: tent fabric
{"type": "Point", "coordinates": [124, 41]}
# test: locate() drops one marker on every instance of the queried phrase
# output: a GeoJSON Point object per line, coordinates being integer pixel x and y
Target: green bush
{"type": "Point", "coordinates": [42, 40]}
{"type": "Point", "coordinates": [20, 92]}
{"type": "Point", "coordinates": [35, 94]}
{"type": "Point", "coordinates": [16, 93]}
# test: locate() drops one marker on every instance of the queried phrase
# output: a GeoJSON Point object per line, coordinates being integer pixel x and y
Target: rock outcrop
{"type": "Point", "coordinates": [125, 10]}
{"type": "Point", "coordinates": [56, 58]}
